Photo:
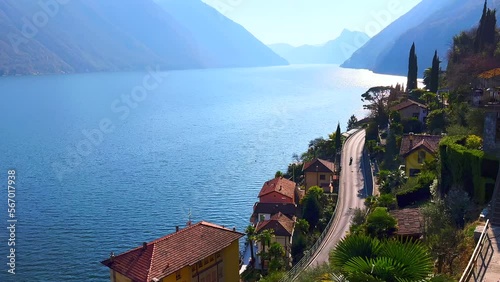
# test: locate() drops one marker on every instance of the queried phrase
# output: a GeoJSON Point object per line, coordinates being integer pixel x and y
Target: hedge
{"type": "Point", "coordinates": [469, 168]}
{"type": "Point", "coordinates": [415, 190]}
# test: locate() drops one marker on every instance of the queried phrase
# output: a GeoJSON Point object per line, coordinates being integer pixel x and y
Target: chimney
{"type": "Point", "coordinates": [144, 246]}
{"type": "Point", "coordinates": [177, 228]}
{"type": "Point", "coordinates": [112, 257]}
{"type": "Point", "coordinates": [411, 139]}
{"type": "Point", "coordinates": [234, 229]}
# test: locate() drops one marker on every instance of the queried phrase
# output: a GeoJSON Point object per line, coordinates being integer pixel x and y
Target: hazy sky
{"type": "Point", "coordinates": [299, 22]}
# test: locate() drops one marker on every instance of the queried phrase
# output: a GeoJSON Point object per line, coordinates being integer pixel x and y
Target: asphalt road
{"type": "Point", "coordinates": [352, 194]}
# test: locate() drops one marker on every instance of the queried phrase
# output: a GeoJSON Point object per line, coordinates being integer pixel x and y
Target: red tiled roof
{"type": "Point", "coordinates": [322, 166]}
{"type": "Point", "coordinates": [281, 185]}
{"type": "Point", "coordinates": [410, 221]}
{"type": "Point", "coordinates": [280, 223]}
{"type": "Point", "coordinates": [429, 142]}
{"type": "Point", "coordinates": [407, 104]}
{"type": "Point", "coordinates": [164, 256]}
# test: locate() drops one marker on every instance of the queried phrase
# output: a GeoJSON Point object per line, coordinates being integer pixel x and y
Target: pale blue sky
{"type": "Point", "coordinates": [299, 22]}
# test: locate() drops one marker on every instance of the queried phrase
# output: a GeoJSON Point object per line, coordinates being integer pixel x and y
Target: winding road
{"type": "Point", "coordinates": [352, 193]}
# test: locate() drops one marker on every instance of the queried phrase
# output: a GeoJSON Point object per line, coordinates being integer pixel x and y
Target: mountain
{"type": "Point", "coordinates": [224, 43]}
{"type": "Point", "coordinates": [435, 33]}
{"type": "Point", "coordinates": [333, 52]}
{"type": "Point", "coordinates": [366, 56]}
{"type": "Point", "coordinates": [93, 35]}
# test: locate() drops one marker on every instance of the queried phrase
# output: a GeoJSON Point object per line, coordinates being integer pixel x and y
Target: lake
{"type": "Point", "coordinates": [106, 161]}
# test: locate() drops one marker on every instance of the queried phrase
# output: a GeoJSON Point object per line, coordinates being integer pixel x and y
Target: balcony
{"type": "Point", "coordinates": [486, 98]}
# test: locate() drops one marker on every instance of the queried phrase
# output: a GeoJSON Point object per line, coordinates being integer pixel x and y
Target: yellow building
{"type": "Point", "coordinates": [202, 252]}
{"type": "Point", "coordinates": [320, 173]}
{"type": "Point", "coordinates": [417, 149]}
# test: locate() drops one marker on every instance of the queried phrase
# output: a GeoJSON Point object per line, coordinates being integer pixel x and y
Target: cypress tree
{"type": "Point", "coordinates": [478, 42]}
{"type": "Point", "coordinates": [486, 31]}
{"type": "Point", "coordinates": [434, 80]}
{"type": "Point", "coordinates": [412, 70]}
{"type": "Point", "coordinates": [338, 140]}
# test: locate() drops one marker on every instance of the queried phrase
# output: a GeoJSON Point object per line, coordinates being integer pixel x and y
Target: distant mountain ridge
{"type": "Point", "coordinates": [333, 52]}
{"type": "Point", "coordinates": [94, 35]}
{"type": "Point", "coordinates": [431, 25]}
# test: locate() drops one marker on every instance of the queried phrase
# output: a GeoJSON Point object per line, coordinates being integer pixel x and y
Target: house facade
{"type": "Point", "coordinates": [320, 173]}
{"type": "Point", "coordinates": [264, 211]}
{"type": "Point", "coordinates": [411, 109]}
{"type": "Point", "coordinates": [282, 227]}
{"type": "Point", "coordinates": [279, 190]}
{"type": "Point", "coordinates": [201, 252]}
{"type": "Point", "coordinates": [418, 149]}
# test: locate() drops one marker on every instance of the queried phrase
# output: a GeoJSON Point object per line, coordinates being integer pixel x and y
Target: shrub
{"type": "Point", "coordinates": [465, 167]}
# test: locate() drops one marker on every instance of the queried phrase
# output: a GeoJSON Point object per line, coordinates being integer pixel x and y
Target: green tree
{"type": "Point", "coordinates": [440, 236]}
{"type": "Point", "coordinates": [475, 120]}
{"type": "Point", "coordinates": [299, 245]}
{"type": "Point", "coordinates": [486, 32]}
{"type": "Point", "coordinates": [377, 103]}
{"type": "Point", "coordinates": [436, 121]}
{"type": "Point", "coordinates": [278, 174]}
{"type": "Point", "coordinates": [434, 79]}
{"type": "Point", "coordinates": [265, 238]}
{"type": "Point", "coordinates": [276, 257]}
{"type": "Point", "coordinates": [338, 139]}
{"type": "Point", "coordinates": [311, 211]}
{"type": "Point", "coordinates": [361, 258]}
{"type": "Point", "coordinates": [302, 226]}
{"type": "Point", "coordinates": [387, 200]}
{"type": "Point", "coordinates": [380, 223]}
{"type": "Point", "coordinates": [352, 122]}
{"type": "Point", "coordinates": [250, 230]}
{"type": "Point", "coordinates": [391, 152]}
{"type": "Point", "coordinates": [412, 70]}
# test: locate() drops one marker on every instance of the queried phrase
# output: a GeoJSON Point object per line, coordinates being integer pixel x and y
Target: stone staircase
{"type": "Point", "coordinates": [494, 215]}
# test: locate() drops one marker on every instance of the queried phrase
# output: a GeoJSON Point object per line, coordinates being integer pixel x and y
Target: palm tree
{"type": "Point", "coordinates": [361, 258]}
{"type": "Point", "coordinates": [250, 230]}
{"type": "Point", "coordinates": [276, 255]}
{"type": "Point", "coordinates": [265, 238]}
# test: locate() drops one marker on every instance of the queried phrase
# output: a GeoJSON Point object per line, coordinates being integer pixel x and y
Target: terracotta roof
{"type": "Point", "coordinates": [288, 209]}
{"type": "Point", "coordinates": [164, 256]}
{"type": "Point", "coordinates": [407, 104]}
{"type": "Point", "coordinates": [322, 166]}
{"type": "Point", "coordinates": [429, 142]}
{"type": "Point", "coordinates": [410, 221]}
{"type": "Point", "coordinates": [280, 223]}
{"type": "Point", "coordinates": [281, 185]}
{"type": "Point", "coordinates": [490, 73]}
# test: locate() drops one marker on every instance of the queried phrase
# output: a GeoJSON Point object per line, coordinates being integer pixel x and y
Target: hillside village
{"type": "Point", "coordinates": [434, 153]}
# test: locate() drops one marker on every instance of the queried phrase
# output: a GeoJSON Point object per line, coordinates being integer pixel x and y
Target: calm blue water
{"type": "Point", "coordinates": [202, 141]}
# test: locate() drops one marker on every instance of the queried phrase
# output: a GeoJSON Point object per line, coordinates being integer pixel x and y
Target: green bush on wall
{"type": "Point", "coordinates": [468, 168]}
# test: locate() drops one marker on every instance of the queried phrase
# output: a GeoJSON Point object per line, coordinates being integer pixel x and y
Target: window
{"type": "Point", "coordinates": [414, 172]}
{"type": "Point", "coordinates": [178, 275]}
{"type": "Point", "coordinates": [421, 157]}
{"type": "Point", "coordinates": [322, 177]}
{"type": "Point", "coordinates": [262, 217]}
{"type": "Point", "coordinates": [415, 115]}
